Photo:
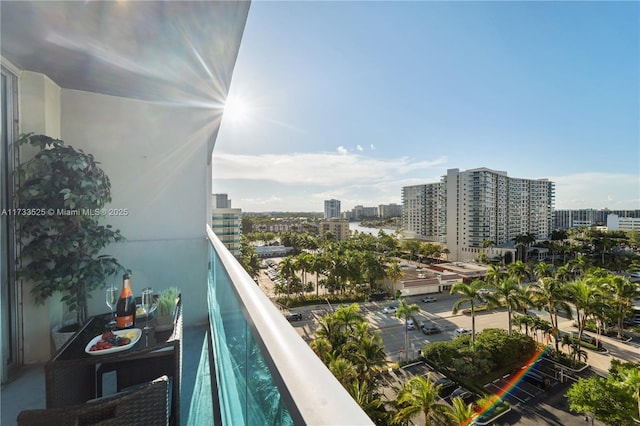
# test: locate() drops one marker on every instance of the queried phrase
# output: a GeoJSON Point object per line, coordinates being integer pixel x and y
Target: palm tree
{"type": "Point", "coordinates": [586, 298]}
{"type": "Point", "coordinates": [288, 270]}
{"type": "Point", "coordinates": [564, 274]}
{"type": "Point", "coordinates": [405, 311]}
{"type": "Point", "coordinates": [394, 272]}
{"type": "Point", "coordinates": [470, 294]}
{"type": "Point", "coordinates": [348, 317]}
{"type": "Point", "coordinates": [549, 293]}
{"type": "Point", "coordinates": [302, 263]}
{"type": "Point", "coordinates": [577, 353]}
{"type": "Point", "coordinates": [507, 294]}
{"type": "Point", "coordinates": [519, 271]}
{"type": "Point", "coordinates": [494, 274]}
{"type": "Point", "coordinates": [369, 356]}
{"type": "Point", "coordinates": [343, 370]}
{"type": "Point", "coordinates": [621, 292]}
{"type": "Point", "coordinates": [460, 413]}
{"type": "Point", "coordinates": [543, 270]}
{"type": "Point", "coordinates": [418, 395]}
{"type": "Point", "coordinates": [580, 265]}
{"type": "Point", "coordinates": [317, 265]}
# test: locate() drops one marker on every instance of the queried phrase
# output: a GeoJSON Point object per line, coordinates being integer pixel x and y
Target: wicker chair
{"type": "Point", "coordinates": [146, 405]}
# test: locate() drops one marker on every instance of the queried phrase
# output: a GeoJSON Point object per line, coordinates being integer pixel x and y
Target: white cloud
{"type": "Point", "coordinates": [342, 150]}
{"type": "Point", "coordinates": [373, 147]}
{"type": "Point", "coordinates": [597, 190]}
{"type": "Point", "coordinates": [320, 169]}
{"type": "Point", "coordinates": [359, 148]}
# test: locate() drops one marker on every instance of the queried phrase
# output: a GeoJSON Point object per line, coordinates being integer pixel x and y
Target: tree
{"type": "Point", "coordinates": [61, 250]}
{"type": "Point", "coordinates": [549, 293]}
{"type": "Point", "coordinates": [494, 275]}
{"type": "Point", "coordinates": [585, 297]}
{"type": "Point", "coordinates": [507, 294]}
{"type": "Point", "coordinates": [405, 311]}
{"type": "Point", "coordinates": [602, 399]}
{"type": "Point", "coordinates": [288, 271]}
{"type": "Point", "coordinates": [470, 294]}
{"type": "Point", "coordinates": [542, 270]}
{"type": "Point", "coordinates": [394, 272]}
{"type": "Point", "coordinates": [519, 271]}
{"type": "Point", "coordinates": [418, 395]}
{"type": "Point", "coordinates": [631, 381]}
{"type": "Point", "coordinates": [412, 246]}
{"type": "Point", "coordinates": [620, 295]}
{"type": "Point", "coordinates": [460, 413]}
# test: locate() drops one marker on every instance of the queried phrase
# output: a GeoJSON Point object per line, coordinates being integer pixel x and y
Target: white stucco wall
{"type": "Point", "coordinates": [156, 158]}
{"type": "Point", "coordinates": [158, 161]}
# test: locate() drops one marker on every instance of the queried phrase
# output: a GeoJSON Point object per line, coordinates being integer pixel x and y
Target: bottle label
{"type": "Point", "coordinates": [124, 321]}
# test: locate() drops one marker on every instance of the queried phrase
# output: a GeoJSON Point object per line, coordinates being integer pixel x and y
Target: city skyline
{"type": "Point", "coordinates": [353, 101]}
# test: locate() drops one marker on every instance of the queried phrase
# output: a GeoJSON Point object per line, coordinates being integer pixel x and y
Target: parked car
{"type": "Point", "coordinates": [392, 309]}
{"type": "Point", "coordinates": [294, 316]}
{"type": "Point", "coordinates": [446, 386]}
{"type": "Point", "coordinates": [410, 325]}
{"type": "Point", "coordinates": [428, 299]}
{"type": "Point", "coordinates": [430, 329]}
{"type": "Point", "coordinates": [467, 396]}
{"type": "Point", "coordinates": [461, 332]}
{"type": "Point", "coordinates": [380, 295]}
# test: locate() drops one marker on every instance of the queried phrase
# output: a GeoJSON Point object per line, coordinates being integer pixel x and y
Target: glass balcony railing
{"type": "Point", "coordinates": [262, 372]}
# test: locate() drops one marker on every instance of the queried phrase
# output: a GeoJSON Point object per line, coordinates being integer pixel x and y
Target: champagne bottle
{"type": "Point", "coordinates": [126, 309]}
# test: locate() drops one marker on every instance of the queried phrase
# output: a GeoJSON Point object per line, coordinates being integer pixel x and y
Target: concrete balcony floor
{"type": "Point", "coordinates": [27, 389]}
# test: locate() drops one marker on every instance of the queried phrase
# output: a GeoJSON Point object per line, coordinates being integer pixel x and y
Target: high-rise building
{"type": "Point", "coordinates": [421, 211]}
{"type": "Point", "coordinates": [221, 201]}
{"type": "Point", "coordinates": [331, 209]}
{"type": "Point", "coordinates": [467, 208]}
{"type": "Point", "coordinates": [226, 223]}
{"type": "Point", "coordinates": [387, 211]}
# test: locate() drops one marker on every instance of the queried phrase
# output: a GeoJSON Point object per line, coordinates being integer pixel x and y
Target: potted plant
{"type": "Point", "coordinates": [167, 302]}
{"type": "Point", "coordinates": [62, 192]}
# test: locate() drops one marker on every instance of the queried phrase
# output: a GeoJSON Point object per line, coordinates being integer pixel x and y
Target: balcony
{"type": "Point", "coordinates": [246, 366]}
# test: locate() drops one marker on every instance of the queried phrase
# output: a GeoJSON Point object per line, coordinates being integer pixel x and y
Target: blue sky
{"type": "Point", "coordinates": [354, 100]}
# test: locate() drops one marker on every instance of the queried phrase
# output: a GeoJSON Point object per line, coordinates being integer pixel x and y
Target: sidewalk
{"type": "Point", "coordinates": [601, 362]}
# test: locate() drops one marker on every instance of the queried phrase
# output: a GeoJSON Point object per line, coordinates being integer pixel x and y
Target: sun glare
{"type": "Point", "coordinates": [236, 110]}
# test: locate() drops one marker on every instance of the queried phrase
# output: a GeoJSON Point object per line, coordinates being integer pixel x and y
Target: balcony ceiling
{"type": "Point", "coordinates": [169, 51]}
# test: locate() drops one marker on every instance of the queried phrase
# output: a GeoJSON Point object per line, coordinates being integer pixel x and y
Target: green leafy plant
{"type": "Point", "coordinates": [60, 195]}
{"type": "Point", "coordinates": [167, 300]}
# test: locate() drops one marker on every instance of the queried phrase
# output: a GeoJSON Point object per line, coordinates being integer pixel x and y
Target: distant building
{"type": "Point", "coordinates": [331, 209]}
{"type": "Point", "coordinates": [226, 223]}
{"type": "Point", "coordinates": [422, 215]}
{"type": "Point", "coordinates": [338, 227]}
{"type": "Point", "coordinates": [221, 201]}
{"type": "Point", "coordinates": [617, 223]}
{"type": "Point", "coordinates": [387, 211]}
{"type": "Point", "coordinates": [567, 219]}
{"type": "Point", "coordinates": [467, 208]}
{"type": "Point", "coordinates": [361, 212]}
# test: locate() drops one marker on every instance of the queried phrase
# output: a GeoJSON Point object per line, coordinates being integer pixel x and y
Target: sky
{"type": "Point", "coordinates": [354, 100]}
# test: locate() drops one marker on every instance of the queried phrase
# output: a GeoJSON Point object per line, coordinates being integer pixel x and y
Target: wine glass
{"type": "Point", "coordinates": [111, 297]}
{"type": "Point", "coordinates": [147, 303]}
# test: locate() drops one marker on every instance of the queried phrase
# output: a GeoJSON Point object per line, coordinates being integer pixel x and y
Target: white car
{"type": "Point", "coordinates": [410, 325]}
{"type": "Point", "coordinates": [428, 299]}
{"type": "Point", "coordinates": [390, 309]}
{"type": "Point", "coordinates": [461, 332]}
